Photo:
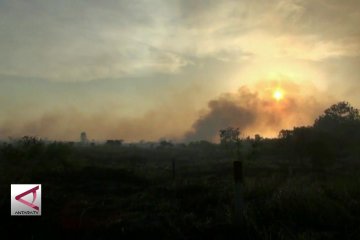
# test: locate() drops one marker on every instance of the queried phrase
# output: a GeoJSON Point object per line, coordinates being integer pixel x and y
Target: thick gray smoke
{"type": "Point", "coordinates": [256, 112]}
{"type": "Point", "coordinates": [222, 113]}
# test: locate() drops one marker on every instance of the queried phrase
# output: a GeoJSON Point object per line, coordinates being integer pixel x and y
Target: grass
{"type": "Point", "coordinates": [102, 194]}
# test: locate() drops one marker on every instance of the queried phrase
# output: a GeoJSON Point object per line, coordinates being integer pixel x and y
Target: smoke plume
{"type": "Point", "coordinates": [256, 111]}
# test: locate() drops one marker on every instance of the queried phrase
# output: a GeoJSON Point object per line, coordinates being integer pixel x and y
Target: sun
{"type": "Point", "coordinates": [278, 94]}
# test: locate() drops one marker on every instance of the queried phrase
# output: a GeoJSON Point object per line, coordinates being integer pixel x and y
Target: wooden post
{"type": "Point", "coordinates": [238, 193]}
{"type": "Point", "coordinates": [173, 168]}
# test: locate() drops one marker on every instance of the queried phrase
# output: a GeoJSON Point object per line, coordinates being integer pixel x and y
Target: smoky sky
{"type": "Point", "coordinates": [138, 69]}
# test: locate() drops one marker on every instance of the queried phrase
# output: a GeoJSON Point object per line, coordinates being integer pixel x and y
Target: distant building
{"type": "Point", "coordinates": [83, 138]}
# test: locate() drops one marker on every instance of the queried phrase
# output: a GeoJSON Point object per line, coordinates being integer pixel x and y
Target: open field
{"type": "Point", "coordinates": [104, 191]}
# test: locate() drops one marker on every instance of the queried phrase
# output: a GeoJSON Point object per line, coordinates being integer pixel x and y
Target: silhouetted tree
{"type": "Point", "coordinates": [294, 144]}
{"type": "Point", "coordinates": [229, 135]}
{"type": "Point", "coordinates": [341, 122]}
{"type": "Point", "coordinates": [164, 144]}
{"type": "Point", "coordinates": [338, 114]}
{"type": "Point", "coordinates": [285, 134]}
{"type": "Point", "coordinates": [230, 138]}
{"type": "Point", "coordinates": [335, 134]}
{"type": "Point", "coordinates": [253, 147]}
{"type": "Point", "coordinates": [116, 142]}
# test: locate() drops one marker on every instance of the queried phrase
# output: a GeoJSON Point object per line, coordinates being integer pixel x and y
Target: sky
{"type": "Point", "coordinates": [173, 69]}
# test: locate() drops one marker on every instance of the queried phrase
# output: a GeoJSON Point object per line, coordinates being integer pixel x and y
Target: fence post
{"type": "Point", "coordinates": [238, 193]}
{"type": "Point", "coordinates": [173, 168]}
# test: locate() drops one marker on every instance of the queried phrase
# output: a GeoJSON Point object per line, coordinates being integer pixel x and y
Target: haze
{"type": "Point", "coordinates": [175, 69]}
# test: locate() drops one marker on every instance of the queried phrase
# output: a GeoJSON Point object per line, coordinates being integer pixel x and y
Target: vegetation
{"type": "Point", "coordinates": [302, 185]}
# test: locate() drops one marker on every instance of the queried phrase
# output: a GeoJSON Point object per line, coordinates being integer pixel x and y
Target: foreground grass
{"type": "Point", "coordinates": [103, 199]}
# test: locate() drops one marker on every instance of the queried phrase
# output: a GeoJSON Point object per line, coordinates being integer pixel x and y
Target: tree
{"type": "Point", "coordinates": [342, 123]}
{"type": "Point", "coordinates": [339, 114]}
{"type": "Point", "coordinates": [286, 134]}
{"type": "Point", "coordinates": [296, 141]}
{"type": "Point", "coordinates": [115, 142]}
{"type": "Point", "coordinates": [165, 144]}
{"type": "Point", "coordinates": [230, 138]}
{"type": "Point", "coordinates": [229, 135]}
{"type": "Point", "coordinates": [31, 147]}
{"type": "Point", "coordinates": [255, 144]}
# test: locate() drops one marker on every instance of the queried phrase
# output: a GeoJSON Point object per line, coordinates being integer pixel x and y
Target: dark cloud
{"type": "Point", "coordinates": [222, 113]}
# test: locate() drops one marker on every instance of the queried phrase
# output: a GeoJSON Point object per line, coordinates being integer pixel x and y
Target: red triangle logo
{"type": "Point", "coordinates": [30, 204]}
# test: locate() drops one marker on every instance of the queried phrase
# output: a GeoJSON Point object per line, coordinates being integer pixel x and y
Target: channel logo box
{"type": "Point", "coordinates": [25, 199]}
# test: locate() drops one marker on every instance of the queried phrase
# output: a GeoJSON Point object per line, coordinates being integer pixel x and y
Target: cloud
{"type": "Point", "coordinates": [83, 41]}
{"type": "Point", "coordinates": [89, 40]}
